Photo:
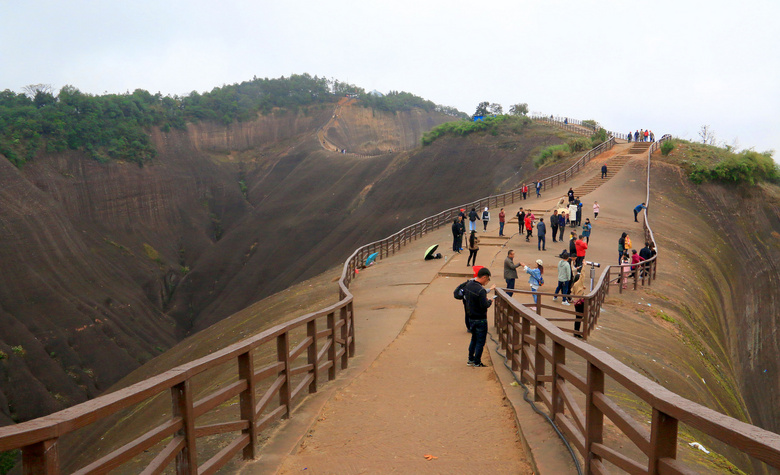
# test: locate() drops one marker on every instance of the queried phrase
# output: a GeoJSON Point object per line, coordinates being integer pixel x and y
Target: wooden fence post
{"type": "Point", "coordinates": [344, 336]}
{"type": "Point", "coordinates": [187, 459]}
{"type": "Point", "coordinates": [311, 354]}
{"type": "Point", "coordinates": [594, 418]}
{"type": "Point", "coordinates": [351, 321]}
{"type": "Point", "coordinates": [539, 361]}
{"type": "Point", "coordinates": [663, 440]}
{"type": "Point", "coordinates": [517, 345]}
{"type": "Point", "coordinates": [585, 324]}
{"type": "Point", "coordinates": [247, 402]}
{"type": "Point", "coordinates": [41, 458]}
{"type": "Point", "coordinates": [525, 330]}
{"type": "Point", "coordinates": [559, 358]}
{"type": "Point", "coordinates": [332, 348]}
{"type": "Point", "coordinates": [283, 356]}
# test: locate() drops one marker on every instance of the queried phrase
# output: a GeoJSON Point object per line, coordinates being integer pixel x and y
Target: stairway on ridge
{"type": "Point", "coordinates": [639, 147]}
{"type": "Point", "coordinates": [614, 165]}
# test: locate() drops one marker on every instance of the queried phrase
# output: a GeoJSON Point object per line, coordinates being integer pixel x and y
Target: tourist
{"type": "Point", "coordinates": [561, 225]}
{"type": "Point", "coordinates": [579, 211]}
{"type": "Point", "coordinates": [581, 247]}
{"type": "Point", "coordinates": [456, 239]}
{"type": "Point", "coordinates": [554, 224]}
{"type": "Point", "coordinates": [521, 221]}
{"type": "Point", "coordinates": [525, 191]}
{"type": "Point", "coordinates": [564, 276]}
{"type": "Point", "coordinates": [473, 217]}
{"type": "Point", "coordinates": [535, 280]}
{"type": "Point", "coordinates": [538, 189]}
{"type": "Point", "coordinates": [570, 194]}
{"type": "Point", "coordinates": [510, 271]}
{"type": "Point", "coordinates": [541, 234]}
{"type": "Point", "coordinates": [578, 290]}
{"type": "Point", "coordinates": [573, 214]}
{"type": "Point", "coordinates": [501, 222]}
{"type": "Point", "coordinates": [638, 210]}
{"type": "Point", "coordinates": [586, 229]}
{"type": "Point", "coordinates": [473, 249]}
{"type": "Point", "coordinates": [645, 253]}
{"type": "Point", "coordinates": [604, 171]}
{"type": "Point", "coordinates": [629, 137]}
{"type": "Point", "coordinates": [621, 247]}
{"type": "Point", "coordinates": [485, 218]}
{"type": "Point", "coordinates": [475, 295]}
{"type": "Point", "coordinates": [529, 226]}
{"type": "Point", "coordinates": [596, 209]}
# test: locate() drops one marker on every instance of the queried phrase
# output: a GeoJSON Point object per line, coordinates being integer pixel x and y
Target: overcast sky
{"type": "Point", "coordinates": [670, 66]}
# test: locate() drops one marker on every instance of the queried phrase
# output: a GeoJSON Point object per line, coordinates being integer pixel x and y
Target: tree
{"type": "Point", "coordinates": [496, 109]}
{"type": "Point", "coordinates": [707, 135]}
{"type": "Point", "coordinates": [482, 109]}
{"type": "Point", "coordinates": [519, 109]}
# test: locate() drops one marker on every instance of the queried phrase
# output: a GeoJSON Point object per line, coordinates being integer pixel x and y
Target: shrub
{"type": "Point", "coordinates": [19, 351]}
{"type": "Point", "coordinates": [463, 128]}
{"type": "Point", "coordinates": [590, 123]}
{"type": "Point", "coordinates": [667, 147]}
{"type": "Point", "coordinates": [579, 145]}
{"type": "Point", "coordinates": [551, 154]}
{"type": "Point", "coordinates": [746, 167]}
{"type": "Point", "coordinates": [8, 460]}
{"type": "Point", "coordinates": [598, 137]}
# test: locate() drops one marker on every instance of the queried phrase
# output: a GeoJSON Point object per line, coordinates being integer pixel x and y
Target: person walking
{"type": "Point", "coordinates": [456, 239]}
{"type": "Point", "coordinates": [529, 227]}
{"type": "Point", "coordinates": [629, 136]}
{"type": "Point", "coordinates": [581, 247]}
{"type": "Point", "coordinates": [570, 194]}
{"type": "Point", "coordinates": [535, 280]}
{"type": "Point", "coordinates": [521, 221]}
{"type": "Point", "coordinates": [473, 249]}
{"type": "Point", "coordinates": [554, 224]}
{"type": "Point", "coordinates": [541, 234]}
{"type": "Point", "coordinates": [636, 136]}
{"type": "Point", "coordinates": [501, 222]}
{"type": "Point", "coordinates": [475, 295]}
{"type": "Point", "coordinates": [604, 171]}
{"type": "Point", "coordinates": [510, 271]}
{"type": "Point", "coordinates": [572, 246]}
{"type": "Point", "coordinates": [538, 189]}
{"type": "Point", "coordinates": [485, 218]}
{"type": "Point", "coordinates": [586, 229]}
{"type": "Point", "coordinates": [473, 217]}
{"type": "Point", "coordinates": [561, 225]}
{"type": "Point", "coordinates": [458, 294]}
{"type": "Point", "coordinates": [525, 191]}
{"type": "Point", "coordinates": [638, 210]}
{"type": "Point", "coordinates": [564, 276]}
{"type": "Point", "coordinates": [596, 209]}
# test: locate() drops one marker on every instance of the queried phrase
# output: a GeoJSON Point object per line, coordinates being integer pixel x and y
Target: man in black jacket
{"type": "Point", "coordinates": [457, 236]}
{"type": "Point", "coordinates": [477, 303]}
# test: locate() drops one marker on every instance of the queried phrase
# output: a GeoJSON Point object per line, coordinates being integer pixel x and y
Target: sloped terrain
{"type": "Point", "coordinates": [108, 265]}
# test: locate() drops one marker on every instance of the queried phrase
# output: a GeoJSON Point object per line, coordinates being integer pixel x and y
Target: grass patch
{"type": "Point", "coordinates": [709, 163]}
{"type": "Point", "coordinates": [152, 254]}
{"type": "Point", "coordinates": [493, 125]}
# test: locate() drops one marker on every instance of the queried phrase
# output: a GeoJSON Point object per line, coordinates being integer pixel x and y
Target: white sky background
{"type": "Point", "coordinates": [670, 66]}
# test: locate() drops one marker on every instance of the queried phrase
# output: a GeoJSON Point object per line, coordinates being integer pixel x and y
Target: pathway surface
{"type": "Point", "coordinates": [409, 393]}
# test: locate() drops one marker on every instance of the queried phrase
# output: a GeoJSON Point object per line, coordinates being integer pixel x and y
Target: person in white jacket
{"type": "Point", "coordinates": [485, 218]}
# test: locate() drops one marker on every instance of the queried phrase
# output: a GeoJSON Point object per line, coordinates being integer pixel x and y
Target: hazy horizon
{"type": "Point", "coordinates": [671, 68]}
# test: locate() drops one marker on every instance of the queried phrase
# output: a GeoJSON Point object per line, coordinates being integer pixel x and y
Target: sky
{"type": "Point", "coordinates": [670, 66]}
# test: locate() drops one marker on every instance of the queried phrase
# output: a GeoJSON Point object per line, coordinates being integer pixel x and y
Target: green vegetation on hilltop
{"type": "Point", "coordinates": [116, 126]}
{"type": "Point", "coordinates": [554, 153]}
{"type": "Point", "coordinates": [462, 128]}
{"type": "Point", "coordinates": [709, 163]}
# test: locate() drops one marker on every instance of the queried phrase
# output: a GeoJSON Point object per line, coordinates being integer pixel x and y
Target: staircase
{"type": "Point", "coordinates": [639, 147]}
{"type": "Point", "coordinates": [613, 167]}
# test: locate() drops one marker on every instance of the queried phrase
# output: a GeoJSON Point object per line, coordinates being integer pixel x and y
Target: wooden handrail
{"type": "Point", "coordinates": [659, 442]}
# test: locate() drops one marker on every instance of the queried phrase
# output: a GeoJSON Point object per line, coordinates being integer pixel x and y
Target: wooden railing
{"type": "Point", "coordinates": [266, 393]}
{"type": "Point", "coordinates": [537, 350]}
{"type": "Point", "coordinates": [574, 125]}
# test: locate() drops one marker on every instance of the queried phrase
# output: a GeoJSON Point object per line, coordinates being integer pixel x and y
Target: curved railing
{"type": "Point", "coordinates": [267, 387]}
{"type": "Point", "coordinates": [537, 350]}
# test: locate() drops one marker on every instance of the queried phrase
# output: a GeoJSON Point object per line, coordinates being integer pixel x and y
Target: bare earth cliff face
{"type": "Point", "coordinates": [108, 265]}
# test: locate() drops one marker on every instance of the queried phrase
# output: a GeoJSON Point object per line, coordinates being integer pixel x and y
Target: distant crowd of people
{"type": "Point", "coordinates": [570, 281]}
{"type": "Point", "coordinates": [641, 136]}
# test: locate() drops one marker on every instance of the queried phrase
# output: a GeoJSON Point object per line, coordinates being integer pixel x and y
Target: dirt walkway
{"type": "Point", "coordinates": [418, 398]}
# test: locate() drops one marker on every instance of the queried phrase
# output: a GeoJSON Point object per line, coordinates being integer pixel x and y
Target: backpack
{"type": "Point", "coordinates": [458, 293]}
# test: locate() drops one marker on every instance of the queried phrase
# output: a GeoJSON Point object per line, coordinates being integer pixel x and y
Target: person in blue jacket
{"type": "Point", "coordinates": [638, 210]}
{"type": "Point", "coordinates": [541, 233]}
{"type": "Point", "coordinates": [561, 224]}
